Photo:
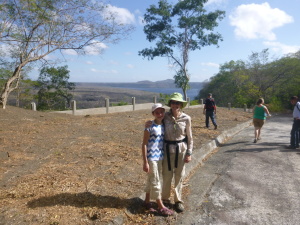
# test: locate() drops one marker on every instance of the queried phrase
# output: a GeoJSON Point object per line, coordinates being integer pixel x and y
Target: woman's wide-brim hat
{"type": "Point", "coordinates": [177, 97]}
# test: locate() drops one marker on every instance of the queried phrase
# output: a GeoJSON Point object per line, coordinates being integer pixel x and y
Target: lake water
{"type": "Point", "coordinates": [192, 93]}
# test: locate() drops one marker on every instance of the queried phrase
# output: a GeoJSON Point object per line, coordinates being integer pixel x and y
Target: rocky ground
{"type": "Point", "coordinates": [62, 169]}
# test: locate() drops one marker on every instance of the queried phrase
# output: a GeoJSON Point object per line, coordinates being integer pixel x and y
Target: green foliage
{"type": "Point", "coordinates": [121, 103]}
{"type": "Point", "coordinates": [243, 82]}
{"type": "Point", "coordinates": [53, 88]}
{"type": "Point", "coordinates": [194, 102]}
{"type": "Point", "coordinates": [4, 75]}
{"type": "Point", "coordinates": [275, 105]}
{"type": "Point", "coordinates": [178, 29]}
{"type": "Point", "coordinates": [182, 80]}
{"type": "Point", "coordinates": [164, 98]}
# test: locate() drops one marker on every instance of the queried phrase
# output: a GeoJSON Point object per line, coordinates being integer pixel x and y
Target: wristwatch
{"type": "Point", "coordinates": [188, 154]}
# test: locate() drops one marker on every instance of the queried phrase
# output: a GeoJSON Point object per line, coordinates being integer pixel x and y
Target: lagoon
{"type": "Point", "coordinates": [192, 93]}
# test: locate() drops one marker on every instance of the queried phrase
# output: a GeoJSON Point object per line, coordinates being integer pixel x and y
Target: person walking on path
{"type": "Point", "coordinates": [153, 154]}
{"type": "Point", "coordinates": [294, 140]}
{"type": "Point", "coordinates": [178, 149]}
{"type": "Point", "coordinates": [210, 110]}
{"type": "Point", "coordinates": [259, 117]}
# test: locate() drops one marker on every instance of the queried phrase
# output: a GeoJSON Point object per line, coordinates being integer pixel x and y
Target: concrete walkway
{"type": "Point", "coordinates": [247, 183]}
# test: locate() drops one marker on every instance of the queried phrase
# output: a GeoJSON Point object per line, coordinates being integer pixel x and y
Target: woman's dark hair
{"type": "Point", "coordinates": [259, 101]}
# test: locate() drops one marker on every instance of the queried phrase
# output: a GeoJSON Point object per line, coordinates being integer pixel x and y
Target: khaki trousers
{"type": "Point", "coordinates": [178, 174]}
{"type": "Point", "coordinates": [153, 185]}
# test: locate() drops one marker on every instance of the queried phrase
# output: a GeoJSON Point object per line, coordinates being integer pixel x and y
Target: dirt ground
{"type": "Point", "coordinates": [62, 169]}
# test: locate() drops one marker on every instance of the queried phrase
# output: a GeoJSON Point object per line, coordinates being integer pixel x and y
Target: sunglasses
{"type": "Point", "coordinates": [175, 103]}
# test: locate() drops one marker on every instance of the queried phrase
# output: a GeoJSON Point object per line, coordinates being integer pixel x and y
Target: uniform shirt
{"type": "Point", "coordinates": [176, 130]}
{"type": "Point", "coordinates": [155, 144]}
{"type": "Point", "coordinates": [296, 112]}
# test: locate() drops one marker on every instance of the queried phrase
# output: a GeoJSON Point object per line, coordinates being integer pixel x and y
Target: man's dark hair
{"type": "Point", "coordinates": [294, 98]}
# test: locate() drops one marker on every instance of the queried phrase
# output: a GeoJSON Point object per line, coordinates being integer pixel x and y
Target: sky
{"type": "Point", "coordinates": [249, 26]}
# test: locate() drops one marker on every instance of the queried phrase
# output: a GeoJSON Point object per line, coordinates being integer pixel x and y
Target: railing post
{"type": "Point", "coordinates": [33, 106]}
{"type": "Point", "coordinates": [154, 100]}
{"type": "Point", "coordinates": [245, 107]}
{"type": "Point", "coordinates": [188, 102]}
{"type": "Point", "coordinates": [73, 106]}
{"type": "Point", "coordinates": [229, 106]}
{"type": "Point", "coordinates": [107, 105]}
{"type": "Point", "coordinates": [201, 101]}
{"type": "Point", "coordinates": [133, 103]}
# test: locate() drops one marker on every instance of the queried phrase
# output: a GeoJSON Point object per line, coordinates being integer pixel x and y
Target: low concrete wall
{"type": "Point", "coordinates": [113, 109]}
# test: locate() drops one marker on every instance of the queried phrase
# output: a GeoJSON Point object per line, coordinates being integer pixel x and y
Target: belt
{"type": "Point", "coordinates": [177, 151]}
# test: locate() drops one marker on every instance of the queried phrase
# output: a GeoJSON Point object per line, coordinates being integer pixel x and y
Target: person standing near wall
{"type": "Point", "coordinates": [210, 110]}
{"type": "Point", "coordinates": [294, 140]}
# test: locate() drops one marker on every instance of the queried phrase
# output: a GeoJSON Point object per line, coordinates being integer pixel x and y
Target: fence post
{"type": "Point", "coordinates": [229, 106]}
{"type": "Point", "coordinates": [107, 105]}
{"type": "Point", "coordinates": [133, 103]}
{"type": "Point", "coordinates": [73, 106]}
{"type": "Point", "coordinates": [154, 100]}
{"type": "Point", "coordinates": [201, 101]}
{"type": "Point", "coordinates": [33, 106]}
{"type": "Point", "coordinates": [188, 102]}
{"type": "Point", "coordinates": [251, 108]}
{"type": "Point", "coordinates": [245, 107]}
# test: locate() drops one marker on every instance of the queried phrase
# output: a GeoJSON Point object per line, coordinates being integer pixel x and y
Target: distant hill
{"type": "Point", "coordinates": [169, 83]}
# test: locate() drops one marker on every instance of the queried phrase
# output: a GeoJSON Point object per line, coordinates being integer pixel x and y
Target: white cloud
{"type": "Point", "coordinates": [255, 21]}
{"type": "Point", "coordinates": [69, 52]}
{"type": "Point", "coordinates": [6, 49]}
{"type": "Point", "coordinates": [120, 15]}
{"type": "Point", "coordinates": [282, 48]}
{"type": "Point", "coordinates": [217, 2]}
{"type": "Point", "coordinates": [95, 49]}
{"type": "Point", "coordinates": [210, 64]}
{"type": "Point", "coordinates": [89, 62]}
{"type": "Point", "coordinates": [104, 71]}
{"type": "Point", "coordinates": [130, 66]}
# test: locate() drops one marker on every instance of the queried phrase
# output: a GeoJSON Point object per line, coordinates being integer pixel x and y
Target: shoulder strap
{"type": "Point", "coordinates": [297, 106]}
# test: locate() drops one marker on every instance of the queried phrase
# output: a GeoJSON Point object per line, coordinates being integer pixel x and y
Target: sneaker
{"type": "Point", "coordinates": [291, 147]}
{"type": "Point", "coordinates": [258, 138]}
{"type": "Point", "coordinates": [216, 126]}
{"type": "Point", "coordinates": [179, 207]}
{"type": "Point", "coordinates": [255, 140]}
{"type": "Point", "coordinates": [165, 212]}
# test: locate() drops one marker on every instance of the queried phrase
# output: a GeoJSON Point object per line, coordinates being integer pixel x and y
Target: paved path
{"type": "Point", "coordinates": [247, 183]}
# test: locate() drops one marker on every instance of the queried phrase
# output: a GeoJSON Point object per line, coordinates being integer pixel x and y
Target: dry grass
{"type": "Point", "coordinates": [61, 169]}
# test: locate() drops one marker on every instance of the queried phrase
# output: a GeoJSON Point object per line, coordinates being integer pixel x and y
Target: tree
{"type": "Point", "coordinates": [30, 30]}
{"type": "Point", "coordinates": [53, 88]}
{"type": "Point", "coordinates": [179, 29]}
{"type": "Point", "coordinates": [243, 82]}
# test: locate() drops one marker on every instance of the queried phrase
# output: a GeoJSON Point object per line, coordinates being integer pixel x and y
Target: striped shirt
{"type": "Point", "coordinates": [155, 144]}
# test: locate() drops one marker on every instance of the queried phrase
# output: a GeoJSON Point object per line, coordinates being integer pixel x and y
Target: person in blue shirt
{"type": "Point", "coordinates": [153, 154]}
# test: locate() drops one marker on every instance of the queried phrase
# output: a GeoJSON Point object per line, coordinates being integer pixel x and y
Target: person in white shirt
{"type": "Point", "coordinates": [294, 141]}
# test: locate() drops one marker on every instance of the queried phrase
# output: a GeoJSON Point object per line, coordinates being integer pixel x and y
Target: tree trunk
{"type": "Point", "coordinates": [8, 88]}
